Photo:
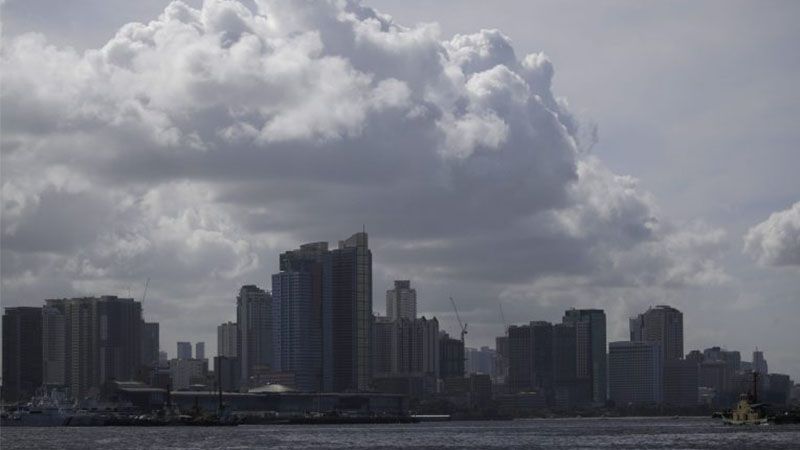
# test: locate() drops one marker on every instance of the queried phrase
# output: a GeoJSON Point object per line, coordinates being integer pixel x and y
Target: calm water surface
{"type": "Point", "coordinates": [616, 433]}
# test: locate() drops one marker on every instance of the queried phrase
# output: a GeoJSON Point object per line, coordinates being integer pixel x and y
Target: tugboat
{"type": "Point", "coordinates": [747, 413]}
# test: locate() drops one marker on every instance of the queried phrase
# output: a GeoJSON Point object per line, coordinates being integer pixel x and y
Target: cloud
{"type": "Point", "coordinates": [776, 241]}
{"type": "Point", "coordinates": [195, 147]}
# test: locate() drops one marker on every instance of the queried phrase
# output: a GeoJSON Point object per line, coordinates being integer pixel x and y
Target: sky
{"type": "Point", "coordinates": [538, 155]}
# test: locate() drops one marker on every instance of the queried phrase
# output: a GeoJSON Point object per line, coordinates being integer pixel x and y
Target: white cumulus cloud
{"type": "Point", "coordinates": [776, 241]}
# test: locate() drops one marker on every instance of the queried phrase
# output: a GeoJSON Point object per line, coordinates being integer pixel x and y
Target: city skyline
{"type": "Point", "coordinates": [495, 155]}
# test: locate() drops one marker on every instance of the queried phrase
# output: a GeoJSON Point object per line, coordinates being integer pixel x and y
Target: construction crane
{"type": "Point", "coordinates": [460, 324]}
{"type": "Point", "coordinates": [503, 318]}
{"type": "Point", "coordinates": [144, 296]}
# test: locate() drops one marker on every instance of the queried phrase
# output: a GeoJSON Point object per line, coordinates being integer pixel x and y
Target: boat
{"type": "Point", "coordinates": [745, 412]}
{"type": "Point", "coordinates": [46, 410]}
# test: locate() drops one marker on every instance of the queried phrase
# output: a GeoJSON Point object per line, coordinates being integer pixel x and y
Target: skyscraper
{"type": "Point", "coordinates": [590, 349]}
{"type": "Point", "coordinates": [297, 315]}
{"type": "Point", "coordinates": [200, 350]}
{"type": "Point", "coordinates": [22, 352]}
{"type": "Point", "coordinates": [530, 357]}
{"type": "Point", "coordinates": [102, 339]}
{"type": "Point", "coordinates": [254, 321]}
{"type": "Point", "coordinates": [401, 302]}
{"type": "Point", "coordinates": [150, 344]}
{"type": "Point", "coordinates": [759, 363]}
{"type": "Point", "coordinates": [226, 340]}
{"type": "Point", "coordinates": [520, 363]}
{"type": "Point", "coordinates": [347, 315]}
{"type": "Point", "coordinates": [184, 350]}
{"type": "Point", "coordinates": [451, 357]}
{"type": "Point", "coordinates": [635, 371]}
{"type": "Point", "coordinates": [681, 378]}
{"type": "Point", "coordinates": [54, 353]}
{"type": "Point", "coordinates": [662, 324]}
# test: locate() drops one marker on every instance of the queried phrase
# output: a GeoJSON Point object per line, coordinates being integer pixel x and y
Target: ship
{"type": "Point", "coordinates": [46, 410]}
{"type": "Point", "coordinates": [747, 411]}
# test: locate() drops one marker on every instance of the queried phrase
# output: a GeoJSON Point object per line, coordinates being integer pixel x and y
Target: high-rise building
{"type": "Point", "coordinates": [401, 302]}
{"type": "Point", "coordinates": [568, 389]}
{"type": "Point", "coordinates": [590, 348]}
{"type": "Point", "coordinates": [635, 371]}
{"type": "Point", "coordinates": [501, 359]}
{"type": "Point", "coordinates": [759, 363]}
{"type": "Point", "coordinates": [54, 353]}
{"type": "Point", "coordinates": [480, 361]}
{"type": "Point", "coordinates": [226, 372]}
{"type": "Point", "coordinates": [22, 352]}
{"type": "Point", "coordinates": [150, 344]}
{"type": "Point", "coordinates": [102, 340]}
{"type": "Point", "coordinates": [384, 346]}
{"type": "Point", "coordinates": [426, 335]}
{"type": "Point", "coordinates": [531, 357]}
{"type": "Point", "coordinates": [200, 350]}
{"type": "Point", "coordinates": [184, 350]}
{"type": "Point", "coordinates": [681, 378]}
{"type": "Point", "coordinates": [347, 316]}
{"type": "Point", "coordinates": [451, 357]}
{"type": "Point", "coordinates": [227, 333]}
{"type": "Point", "coordinates": [297, 315]}
{"type": "Point", "coordinates": [405, 347]}
{"type": "Point", "coordinates": [662, 324]}
{"type": "Point", "coordinates": [254, 321]}
{"type": "Point", "coordinates": [520, 363]}
{"type": "Point", "coordinates": [186, 372]}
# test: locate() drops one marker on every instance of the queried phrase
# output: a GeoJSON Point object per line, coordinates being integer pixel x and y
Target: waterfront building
{"type": "Point", "coordinates": [254, 322]}
{"type": "Point", "coordinates": [200, 350]}
{"type": "Point", "coordinates": [681, 382]}
{"type": "Point", "coordinates": [531, 357]}
{"type": "Point", "coordinates": [759, 363]}
{"type": "Point", "coordinates": [22, 353]}
{"type": "Point", "coordinates": [714, 375]}
{"type": "Point", "coordinates": [520, 363]}
{"type": "Point", "coordinates": [102, 339]}
{"type": "Point", "coordinates": [186, 372]}
{"type": "Point", "coordinates": [568, 389]}
{"type": "Point", "coordinates": [451, 357]}
{"type": "Point", "coordinates": [347, 316]}
{"type": "Point", "coordinates": [297, 315]}
{"type": "Point", "coordinates": [150, 344]}
{"type": "Point", "coordinates": [402, 347]}
{"type": "Point", "coordinates": [54, 346]}
{"type": "Point", "coordinates": [184, 350]}
{"type": "Point", "coordinates": [480, 361]}
{"type": "Point", "coordinates": [662, 324]}
{"type": "Point", "coordinates": [501, 360]}
{"type": "Point", "coordinates": [227, 334]}
{"type": "Point", "coordinates": [226, 373]}
{"type": "Point", "coordinates": [635, 371]}
{"type": "Point", "coordinates": [590, 349]}
{"type": "Point", "coordinates": [401, 302]}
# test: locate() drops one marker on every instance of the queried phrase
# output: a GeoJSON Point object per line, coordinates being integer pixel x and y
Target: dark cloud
{"type": "Point", "coordinates": [195, 147]}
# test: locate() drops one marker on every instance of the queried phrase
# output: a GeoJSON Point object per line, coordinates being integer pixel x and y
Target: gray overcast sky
{"type": "Point", "coordinates": [194, 149]}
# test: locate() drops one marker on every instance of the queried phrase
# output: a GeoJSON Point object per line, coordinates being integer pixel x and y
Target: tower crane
{"type": "Point", "coordinates": [460, 324]}
{"type": "Point", "coordinates": [144, 295]}
{"type": "Point", "coordinates": [503, 318]}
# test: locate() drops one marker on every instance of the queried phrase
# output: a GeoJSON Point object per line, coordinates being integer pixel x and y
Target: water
{"type": "Point", "coordinates": [615, 433]}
